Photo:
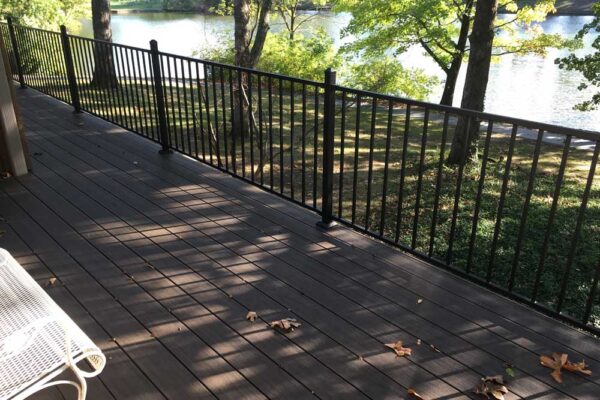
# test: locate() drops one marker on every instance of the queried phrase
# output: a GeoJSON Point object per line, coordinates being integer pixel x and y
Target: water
{"type": "Point", "coordinates": [529, 87]}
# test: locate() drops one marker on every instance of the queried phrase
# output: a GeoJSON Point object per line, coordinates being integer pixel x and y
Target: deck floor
{"type": "Point", "coordinates": [159, 258]}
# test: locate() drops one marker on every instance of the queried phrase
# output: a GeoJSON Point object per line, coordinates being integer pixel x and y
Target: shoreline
{"type": "Point", "coordinates": [569, 10]}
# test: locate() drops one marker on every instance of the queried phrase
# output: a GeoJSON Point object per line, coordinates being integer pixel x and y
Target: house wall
{"type": "Point", "coordinates": [13, 158]}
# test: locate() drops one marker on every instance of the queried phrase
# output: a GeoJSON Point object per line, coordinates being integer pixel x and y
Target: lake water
{"type": "Point", "coordinates": [529, 87]}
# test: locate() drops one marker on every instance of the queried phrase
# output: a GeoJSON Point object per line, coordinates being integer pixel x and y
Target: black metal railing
{"type": "Point", "coordinates": [523, 220]}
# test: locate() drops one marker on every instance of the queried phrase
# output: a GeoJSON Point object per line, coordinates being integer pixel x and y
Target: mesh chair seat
{"type": "Point", "coordinates": [38, 340]}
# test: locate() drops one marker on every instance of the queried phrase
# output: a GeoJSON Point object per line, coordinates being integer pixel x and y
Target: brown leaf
{"type": "Point", "coordinates": [251, 316]}
{"type": "Point", "coordinates": [492, 386]}
{"type": "Point", "coordinates": [51, 281]}
{"type": "Point", "coordinates": [577, 367]}
{"type": "Point", "coordinates": [400, 350]}
{"type": "Point", "coordinates": [556, 362]}
{"type": "Point", "coordinates": [412, 393]}
{"type": "Point", "coordinates": [285, 325]}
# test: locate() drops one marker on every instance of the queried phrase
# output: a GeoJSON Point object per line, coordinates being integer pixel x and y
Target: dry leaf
{"type": "Point", "coordinates": [491, 386]}
{"type": "Point", "coordinates": [285, 325]}
{"type": "Point", "coordinates": [556, 362]}
{"type": "Point", "coordinates": [412, 393]}
{"type": "Point", "coordinates": [51, 281]}
{"type": "Point", "coordinates": [399, 349]}
{"type": "Point", "coordinates": [577, 367]}
{"type": "Point", "coordinates": [251, 316]}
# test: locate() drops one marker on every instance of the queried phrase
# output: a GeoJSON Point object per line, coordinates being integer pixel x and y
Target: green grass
{"type": "Point", "coordinates": [137, 4]}
{"type": "Point", "coordinates": [192, 140]}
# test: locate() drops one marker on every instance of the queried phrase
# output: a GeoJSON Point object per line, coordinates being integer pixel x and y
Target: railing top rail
{"type": "Point", "coordinates": [32, 28]}
{"type": "Point", "coordinates": [125, 46]}
{"type": "Point", "coordinates": [249, 70]}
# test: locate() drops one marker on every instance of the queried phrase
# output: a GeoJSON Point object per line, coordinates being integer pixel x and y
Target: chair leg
{"type": "Point", "coordinates": [82, 384]}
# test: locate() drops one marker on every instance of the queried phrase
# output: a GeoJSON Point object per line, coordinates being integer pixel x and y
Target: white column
{"type": "Point", "coordinates": [9, 129]}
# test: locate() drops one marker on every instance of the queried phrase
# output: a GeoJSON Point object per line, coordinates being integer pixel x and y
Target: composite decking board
{"type": "Point", "coordinates": [581, 388]}
{"type": "Point", "coordinates": [176, 338]}
{"type": "Point", "coordinates": [471, 379]}
{"type": "Point", "coordinates": [329, 382]}
{"type": "Point", "coordinates": [569, 339]}
{"type": "Point", "coordinates": [129, 332]}
{"type": "Point", "coordinates": [126, 381]}
{"type": "Point", "coordinates": [323, 375]}
{"type": "Point", "coordinates": [271, 224]}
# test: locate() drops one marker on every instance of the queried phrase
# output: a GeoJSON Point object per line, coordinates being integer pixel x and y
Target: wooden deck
{"type": "Point", "coordinates": [159, 259]}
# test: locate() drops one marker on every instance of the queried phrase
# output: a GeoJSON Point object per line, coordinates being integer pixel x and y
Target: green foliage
{"type": "Point", "coordinates": [306, 56]}
{"type": "Point", "coordinates": [385, 75]}
{"type": "Point", "coordinates": [189, 5]}
{"type": "Point", "coordinates": [384, 26]}
{"type": "Point", "coordinates": [218, 50]}
{"type": "Point", "coordinates": [46, 14]}
{"type": "Point", "coordinates": [588, 65]}
{"type": "Point", "coordinates": [527, 18]}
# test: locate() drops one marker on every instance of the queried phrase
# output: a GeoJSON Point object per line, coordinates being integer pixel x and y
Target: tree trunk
{"type": "Point", "coordinates": [464, 143]}
{"type": "Point", "coordinates": [104, 76]}
{"type": "Point", "coordinates": [454, 70]}
{"type": "Point", "coordinates": [248, 49]}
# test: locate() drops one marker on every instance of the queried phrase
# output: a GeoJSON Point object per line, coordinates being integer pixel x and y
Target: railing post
{"type": "Point", "coordinates": [71, 78]}
{"type": "Point", "coordinates": [328, 132]}
{"type": "Point", "coordinates": [160, 100]}
{"type": "Point", "coordinates": [13, 40]}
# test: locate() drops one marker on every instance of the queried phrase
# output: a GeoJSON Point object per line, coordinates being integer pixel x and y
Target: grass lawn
{"type": "Point", "coordinates": [136, 4]}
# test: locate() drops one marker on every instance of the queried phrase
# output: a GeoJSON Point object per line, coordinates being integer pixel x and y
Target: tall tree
{"type": "Point", "coordinates": [442, 28]}
{"type": "Point", "coordinates": [481, 42]}
{"type": "Point", "coordinates": [484, 45]}
{"type": "Point", "coordinates": [588, 65]}
{"type": "Point", "coordinates": [290, 13]}
{"type": "Point", "coordinates": [250, 33]}
{"type": "Point", "coordinates": [104, 75]}
{"type": "Point", "coordinates": [439, 27]}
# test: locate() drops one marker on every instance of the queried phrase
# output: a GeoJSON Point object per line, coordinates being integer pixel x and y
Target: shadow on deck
{"type": "Point", "coordinates": [159, 259]}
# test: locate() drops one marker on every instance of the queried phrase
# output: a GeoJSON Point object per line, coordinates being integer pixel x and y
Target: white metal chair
{"type": "Point", "coordinates": [38, 341]}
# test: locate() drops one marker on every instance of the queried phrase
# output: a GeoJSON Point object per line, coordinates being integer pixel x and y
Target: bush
{"type": "Point", "coordinates": [385, 75]}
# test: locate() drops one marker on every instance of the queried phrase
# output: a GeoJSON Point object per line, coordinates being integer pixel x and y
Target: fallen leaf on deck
{"type": "Point", "coordinates": [51, 281]}
{"type": "Point", "coordinates": [556, 362]}
{"type": "Point", "coordinates": [491, 386]}
{"type": "Point", "coordinates": [285, 325]}
{"type": "Point", "coordinates": [251, 316]}
{"type": "Point", "coordinates": [509, 370]}
{"type": "Point", "coordinates": [577, 367]}
{"type": "Point", "coordinates": [400, 350]}
{"type": "Point", "coordinates": [419, 301]}
{"type": "Point", "coordinates": [412, 393]}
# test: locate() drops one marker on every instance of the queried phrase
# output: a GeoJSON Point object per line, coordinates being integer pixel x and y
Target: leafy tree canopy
{"type": "Point", "coordinates": [588, 65]}
{"type": "Point", "coordinates": [46, 14]}
{"type": "Point", "coordinates": [393, 26]}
